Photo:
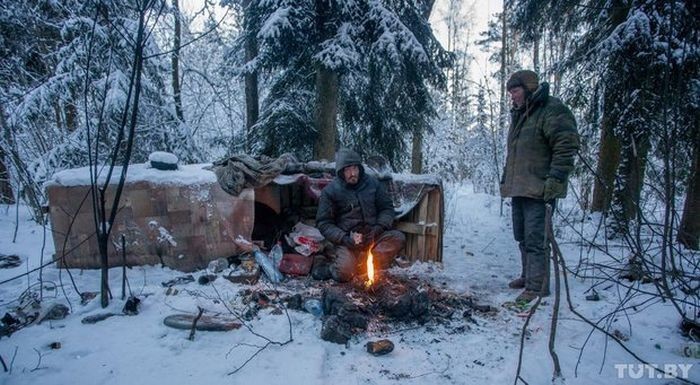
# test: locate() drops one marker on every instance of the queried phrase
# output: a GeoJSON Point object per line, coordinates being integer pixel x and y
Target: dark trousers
{"type": "Point", "coordinates": [348, 262]}
{"type": "Point", "coordinates": [528, 231]}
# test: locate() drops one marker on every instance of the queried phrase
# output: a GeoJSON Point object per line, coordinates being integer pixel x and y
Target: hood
{"type": "Point", "coordinates": [347, 157]}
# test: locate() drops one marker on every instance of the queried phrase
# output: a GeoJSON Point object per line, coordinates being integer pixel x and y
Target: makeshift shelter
{"type": "Point", "coordinates": [183, 218]}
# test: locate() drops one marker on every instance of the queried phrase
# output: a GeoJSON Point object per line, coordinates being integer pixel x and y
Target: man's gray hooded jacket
{"type": "Point", "coordinates": [344, 208]}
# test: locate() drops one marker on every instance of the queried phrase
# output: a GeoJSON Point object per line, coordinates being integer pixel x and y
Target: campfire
{"type": "Point", "coordinates": [370, 269]}
{"type": "Point", "coordinates": [371, 302]}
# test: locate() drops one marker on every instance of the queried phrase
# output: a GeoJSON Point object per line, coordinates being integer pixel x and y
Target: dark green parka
{"type": "Point", "coordinates": [542, 143]}
{"type": "Point", "coordinates": [343, 208]}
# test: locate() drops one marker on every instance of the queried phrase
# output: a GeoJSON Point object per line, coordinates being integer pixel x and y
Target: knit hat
{"type": "Point", "coordinates": [523, 78]}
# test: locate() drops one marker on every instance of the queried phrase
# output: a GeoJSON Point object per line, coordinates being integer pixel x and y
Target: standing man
{"type": "Point", "coordinates": [542, 143]}
{"type": "Point", "coordinates": [355, 212]}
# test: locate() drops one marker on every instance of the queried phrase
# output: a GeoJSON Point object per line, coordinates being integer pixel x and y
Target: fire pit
{"type": "Point", "coordinates": [374, 302]}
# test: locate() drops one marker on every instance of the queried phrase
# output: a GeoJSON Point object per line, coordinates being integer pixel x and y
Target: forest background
{"type": "Point", "coordinates": [108, 82]}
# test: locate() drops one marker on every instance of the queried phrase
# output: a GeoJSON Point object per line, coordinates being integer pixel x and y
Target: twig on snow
{"type": "Point", "coordinates": [194, 323]}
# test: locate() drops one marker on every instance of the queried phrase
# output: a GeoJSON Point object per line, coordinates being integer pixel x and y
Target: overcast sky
{"type": "Point", "coordinates": [480, 12]}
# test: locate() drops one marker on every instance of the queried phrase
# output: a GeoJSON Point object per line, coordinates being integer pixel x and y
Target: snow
{"type": "Point", "coordinates": [395, 38]}
{"type": "Point", "coordinates": [339, 52]}
{"type": "Point", "coordinates": [480, 257]}
{"type": "Point", "coordinates": [428, 179]}
{"type": "Point", "coordinates": [163, 157]}
{"type": "Point", "coordinates": [191, 174]}
{"type": "Point", "coordinates": [275, 24]}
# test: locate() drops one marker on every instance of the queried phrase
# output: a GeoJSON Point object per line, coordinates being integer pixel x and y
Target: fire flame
{"type": "Point", "coordinates": [370, 269]}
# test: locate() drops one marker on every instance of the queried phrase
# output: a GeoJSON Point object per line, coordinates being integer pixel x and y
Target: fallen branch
{"type": "Point", "coordinates": [250, 329]}
{"type": "Point", "coordinates": [38, 364]}
{"type": "Point", "coordinates": [194, 323]}
{"type": "Point", "coordinates": [557, 251]}
{"type": "Point", "coordinates": [443, 371]}
{"type": "Point", "coordinates": [557, 296]}
{"type": "Point", "coordinates": [12, 361]}
{"type": "Point", "coordinates": [522, 341]}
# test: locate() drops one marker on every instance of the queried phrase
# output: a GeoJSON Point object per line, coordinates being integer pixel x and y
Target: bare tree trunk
{"type": "Point", "coordinates": [689, 229]}
{"type": "Point", "coordinates": [536, 55]}
{"type": "Point", "coordinates": [610, 147]}
{"type": "Point", "coordinates": [504, 48]}
{"type": "Point", "coordinates": [417, 144]}
{"type": "Point", "coordinates": [71, 112]}
{"type": "Point", "coordinates": [105, 215]}
{"type": "Point", "coordinates": [632, 166]}
{"type": "Point", "coordinates": [29, 190]}
{"type": "Point", "coordinates": [326, 112]}
{"type": "Point", "coordinates": [608, 160]}
{"type": "Point", "coordinates": [252, 103]}
{"type": "Point", "coordinates": [57, 114]}
{"type": "Point", "coordinates": [627, 191]}
{"type": "Point", "coordinates": [427, 8]}
{"type": "Point", "coordinates": [559, 71]}
{"type": "Point", "coordinates": [7, 196]}
{"type": "Point", "coordinates": [417, 152]}
{"type": "Point", "coordinates": [175, 63]}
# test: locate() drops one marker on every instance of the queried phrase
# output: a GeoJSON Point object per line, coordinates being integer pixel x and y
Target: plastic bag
{"type": "Point", "coordinates": [273, 274]}
{"type": "Point", "coordinates": [306, 239]}
{"type": "Point", "coordinates": [276, 255]}
{"type": "Point", "coordinates": [313, 306]}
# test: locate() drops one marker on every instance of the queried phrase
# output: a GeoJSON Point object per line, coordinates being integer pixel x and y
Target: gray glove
{"type": "Point", "coordinates": [553, 189]}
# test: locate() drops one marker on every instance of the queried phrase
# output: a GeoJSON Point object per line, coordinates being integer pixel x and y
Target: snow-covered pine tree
{"type": "Point", "coordinates": [63, 65]}
{"type": "Point", "coordinates": [385, 59]}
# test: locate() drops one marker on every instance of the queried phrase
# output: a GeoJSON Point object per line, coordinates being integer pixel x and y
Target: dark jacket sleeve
{"type": "Point", "coordinates": [325, 218]}
{"type": "Point", "coordinates": [385, 207]}
{"type": "Point", "coordinates": [560, 131]}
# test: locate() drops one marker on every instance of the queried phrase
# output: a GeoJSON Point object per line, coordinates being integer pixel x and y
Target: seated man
{"type": "Point", "coordinates": [355, 212]}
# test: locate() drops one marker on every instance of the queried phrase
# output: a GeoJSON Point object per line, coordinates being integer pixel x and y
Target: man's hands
{"type": "Point", "coordinates": [357, 238]}
{"type": "Point", "coordinates": [363, 236]}
{"type": "Point", "coordinates": [553, 189]}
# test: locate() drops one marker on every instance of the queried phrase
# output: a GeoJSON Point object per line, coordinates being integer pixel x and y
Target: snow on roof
{"type": "Point", "coordinates": [431, 179]}
{"type": "Point", "coordinates": [191, 174]}
{"type": "Point", "coordinates": [164, 157]}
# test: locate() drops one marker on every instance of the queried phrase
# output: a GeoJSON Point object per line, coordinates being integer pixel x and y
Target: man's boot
{"type": "Point", "coordinates": [518, 283]}
{"type": "Point", "coordinates": [321, 268]}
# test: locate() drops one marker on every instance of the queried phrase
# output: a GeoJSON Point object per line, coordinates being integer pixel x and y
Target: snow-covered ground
{"type": "Point", "coordinates": [480, 257]}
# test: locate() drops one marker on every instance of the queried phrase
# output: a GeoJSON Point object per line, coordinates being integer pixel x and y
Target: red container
{"type": "Point", "coordinates": [296, 264]}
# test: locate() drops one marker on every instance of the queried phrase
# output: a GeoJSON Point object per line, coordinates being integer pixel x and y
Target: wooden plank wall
{"type": "Point", "coordinates": [423, 228]}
